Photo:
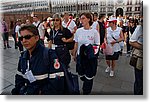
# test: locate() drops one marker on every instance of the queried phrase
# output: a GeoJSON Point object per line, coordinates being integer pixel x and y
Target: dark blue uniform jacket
{"type": "Point", "coordinates": [49, 80]}
{"type": "Point", "coordinates": [87, 62]}
{"type": "Point", "coordinates": [62, 51]}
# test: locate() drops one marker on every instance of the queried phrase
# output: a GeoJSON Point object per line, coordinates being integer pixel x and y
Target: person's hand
{"type": "Point", "coordinates": [17, 39]}
{"type": "Point", "coordinates": [105, 41]}
{"type": "Point", "coordinates": [74, 58]}
{"type": "Point", "coordinates": [113, 42]}
{"type": "Point", "coordinates": [64, 40]}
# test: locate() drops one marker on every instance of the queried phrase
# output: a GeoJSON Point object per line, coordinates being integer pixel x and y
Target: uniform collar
{"type": "Point", "coordinates": [26, 54]}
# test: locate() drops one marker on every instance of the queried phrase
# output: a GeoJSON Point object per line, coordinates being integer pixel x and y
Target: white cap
{"type": "Point", "coordinates": [49, 19]}
{"type": "Point", "coordinates": [112, 19]}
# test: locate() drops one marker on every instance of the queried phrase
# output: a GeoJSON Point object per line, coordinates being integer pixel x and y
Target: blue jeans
{"type": "Point", "coordinates": [138, 84]}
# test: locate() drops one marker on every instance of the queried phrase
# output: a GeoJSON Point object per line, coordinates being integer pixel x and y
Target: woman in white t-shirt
{"type": "Point", "coordinates": [85, 36]}
{"type": "Point", "coordinates": [113, 36]}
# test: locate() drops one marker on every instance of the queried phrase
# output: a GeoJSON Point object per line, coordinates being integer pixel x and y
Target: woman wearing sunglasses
{"type": "Point", "coordinates": [59, 37]}
{"type": "Point", "coordinates": [39, 72]}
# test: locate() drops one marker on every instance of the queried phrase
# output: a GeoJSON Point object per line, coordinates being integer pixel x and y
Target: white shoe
{"type": "Point", "coordinates": [111, 73]}
{"type": "Point", "coordinates": [127, 55]}
{"type": "Point", "coordinates": [107, 69]}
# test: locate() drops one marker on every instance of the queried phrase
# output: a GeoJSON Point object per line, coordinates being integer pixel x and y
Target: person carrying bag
{"type": "Point", "coordinates": [136, 41]}
{"type": "Point", "coordinates": [136, 59]}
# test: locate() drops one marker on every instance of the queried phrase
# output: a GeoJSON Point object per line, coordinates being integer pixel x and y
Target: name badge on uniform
{"type": "Point", "coordinates": [53, 46]}
{"type": "Point", "coordinates": [29, 76]}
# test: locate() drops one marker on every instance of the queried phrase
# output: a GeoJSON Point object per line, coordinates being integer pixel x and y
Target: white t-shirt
{"type": "Point", "coordinates": [70, 26]}
{"type": "Point", "coordinates": [94, 25]}
{"type": "Point", "coordinates": [137, 35]}
{"type": "Point", "coordinates": [40, 29]}
{"type": "Point", "coordinates": [116, 35]}
{"type": "Point", "coordinates": [125, 22]}
{"type": "Point", "coordinates": [83, 36]}
{"type": "Point", "coordinates": [17, 30]}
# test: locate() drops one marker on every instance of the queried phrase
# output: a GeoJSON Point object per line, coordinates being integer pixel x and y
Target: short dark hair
{"type": "Point", "coordinates": [89, 16]}
{"type": "Point", "coordinates": [31, 28]}
{"type": "Point", "coordinates": [95, 14]}
{"type": "Point", "coordinates": [101, 16]}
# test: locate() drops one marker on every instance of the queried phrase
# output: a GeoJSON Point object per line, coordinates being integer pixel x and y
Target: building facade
{"type": "Point", "coordinates": [25, 6]}
{"type": "Point", "coordinates": [108, 7]}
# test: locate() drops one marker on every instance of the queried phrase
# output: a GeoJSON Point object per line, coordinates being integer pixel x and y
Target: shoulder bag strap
{"type": "Point", "coordinates": [38, 25]}
{"type": "Point", "coordinates": [68, 23]}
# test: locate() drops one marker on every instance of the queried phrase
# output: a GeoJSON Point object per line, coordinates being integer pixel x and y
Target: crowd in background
{"type": "Point", "coordinates": [67, 32]}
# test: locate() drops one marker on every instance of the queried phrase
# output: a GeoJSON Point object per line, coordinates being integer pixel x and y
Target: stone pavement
{"type": "Point", "coordinates": [121, 84]}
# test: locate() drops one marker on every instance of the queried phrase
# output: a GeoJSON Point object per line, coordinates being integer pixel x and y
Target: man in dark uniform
{"type": "Point", "coordinates": [59, 37]}
{"type": "Point", "coordinates": [39, 71]}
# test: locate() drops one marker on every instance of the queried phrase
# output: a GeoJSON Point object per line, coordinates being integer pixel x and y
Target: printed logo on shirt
{"type": "Point", "coordinates": [90, 37]}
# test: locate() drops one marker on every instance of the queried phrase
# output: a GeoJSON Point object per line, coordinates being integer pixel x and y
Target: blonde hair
{"type": "Point", "coordinates": [59, 17]}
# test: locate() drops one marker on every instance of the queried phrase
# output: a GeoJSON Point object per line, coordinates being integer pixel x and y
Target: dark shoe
{"type": "Point", "coordinates": [120, 53]}
{"type": "Point", "coordinates": [8, 46]}
{"type": "Point", "coordinates": [4, 47]}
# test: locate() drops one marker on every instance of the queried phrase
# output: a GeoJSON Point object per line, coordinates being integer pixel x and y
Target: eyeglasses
{"type": "Point", "coordinates": [27, 37]}
{"type": "Point", "coordinates": [55, 20]}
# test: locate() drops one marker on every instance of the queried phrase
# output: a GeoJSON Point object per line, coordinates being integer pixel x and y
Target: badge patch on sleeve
{"type": "Point", "coordinates": [56, 64]}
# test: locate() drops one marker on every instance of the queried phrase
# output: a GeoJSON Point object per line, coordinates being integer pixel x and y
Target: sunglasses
{"type": "Point", "coordinates": [55, 20]}
{"type": "Point", "coordinates": [27, 37]}
{"type": "Point", "coordinates": [82, 18]}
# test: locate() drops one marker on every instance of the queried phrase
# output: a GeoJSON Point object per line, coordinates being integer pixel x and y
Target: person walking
{"type": "Point", "coordinates": [14, 35]}
{"type": "Point", "coordinates": [136, 41]}
{"type": "Point", "coordinates": [59, 37]}
{"type": "Point", "coordinates": [18, 25]}
{"type": "Point", "coordinates": [69, 23]}
{"type": "Point", "coordinates": [41, 29]}
{"type": "Point", "coordinates": [5, 34]}
{"type": "Point", "coordinates": [101, 28]}
{"type": "Point", "coordinates": [124, 33]}
{"type": "Point", "coordinates": [95, 24]}
{"type": "Point", "coordinates": [39, 71]}
{"type": "Point", "coordinates": [113, 36]}
{"type": "Point", "coordinates": [86, 60]}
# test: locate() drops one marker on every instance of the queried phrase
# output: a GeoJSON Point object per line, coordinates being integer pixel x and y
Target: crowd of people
{"type": "Point", "coordinates": [81, 37]}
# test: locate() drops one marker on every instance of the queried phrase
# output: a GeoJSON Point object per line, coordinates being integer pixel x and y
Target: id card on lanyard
{"type": "Point", "coordinates": [29, 75]}
{"type": "Point", "coordinates": [54, 35]}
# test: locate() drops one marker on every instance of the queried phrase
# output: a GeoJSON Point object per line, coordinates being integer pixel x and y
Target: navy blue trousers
{"type": "Point", "coordinates": [138, 84]}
